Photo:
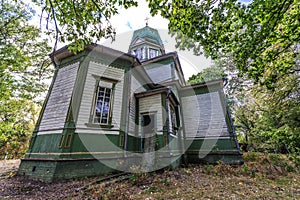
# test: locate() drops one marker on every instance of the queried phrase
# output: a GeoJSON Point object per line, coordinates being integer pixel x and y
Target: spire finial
{"type": "Point", "coordinates": [147, 19]}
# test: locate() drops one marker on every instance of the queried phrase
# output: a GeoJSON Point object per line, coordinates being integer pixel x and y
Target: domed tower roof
{"type": "Point", "coordinates": [147, 33]}
{"type": "Point", "coordinates": [146, 43]}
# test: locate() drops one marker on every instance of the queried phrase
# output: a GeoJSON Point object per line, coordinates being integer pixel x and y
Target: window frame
{"type": "Point", "coordinates": [155, 50]}
{"type": "Point", "coordinates": [139, 53]}
{"type": "Point", "coordinates": [173, 119]}
{"type": "Point", "coordinates": [111, 102]}
{"type": "Point", "coordinates": [102, 116]}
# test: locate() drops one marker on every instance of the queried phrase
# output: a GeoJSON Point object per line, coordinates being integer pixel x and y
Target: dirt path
{"type": "Point", "coordinates": [20, 187]}
{"type": "Point", "coordinates": [8, 167]}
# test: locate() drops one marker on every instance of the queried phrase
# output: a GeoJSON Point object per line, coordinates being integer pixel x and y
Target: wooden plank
{"type": "Point", "coordinates": [203, 115]}
{"type": "Point", "coordinates": [58, 103]}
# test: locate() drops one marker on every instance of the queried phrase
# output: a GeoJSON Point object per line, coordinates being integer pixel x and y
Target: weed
{"type": "Point", "coordinates": [187, 170]}
{"type": "Point", "coordinates": [295, 158]}
{"type": "Point", "coordinates": [245, 168]}
{"type": "Point", "coordinates": [250, 156]}
{"type": "Point", "coordinates": [283, 181]}
{"type": "Point", "coordinates": [289, 167]}
{"type": "Point", "coordinates": [165, 181]}
{"type": "Point", "coordinates": [208, 168]}
{"type": "Point", "coordinates": [223, 169]}
{"type": "Point", "coordinates": [275, 158]}
{"type": "Point", "coordinates": [133, 178]}
{"type": "Point", "coordinates": [259, 176]}
{"type": "Point", "coordinates": [151, 189]}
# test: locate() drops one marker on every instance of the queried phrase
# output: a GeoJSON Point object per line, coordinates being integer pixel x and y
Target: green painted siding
{"type": "Point", "coordinates": [46, 143]}
{"type": "Point", "coordinates": [209, 144]}
{"type": "Point", "coordinates": [81, 146]}
{"type": "Point", "coordinates": [96, 143]}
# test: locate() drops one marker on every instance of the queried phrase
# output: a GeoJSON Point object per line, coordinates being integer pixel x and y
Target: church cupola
{"type": "Point", "coordinates": [146, 44]}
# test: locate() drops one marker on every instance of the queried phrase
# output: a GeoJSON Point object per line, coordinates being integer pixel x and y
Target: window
{"type": "Point", "coordinates": [173, 119]}
{"type": "Point", "coordinates": [138, 53]}
{"type": "Point", "coordinates": [153, 53]}
{"type": "Point", "coordinates": [102, 111]}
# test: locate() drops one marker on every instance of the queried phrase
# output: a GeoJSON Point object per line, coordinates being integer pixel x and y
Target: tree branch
{"type": "Point", "coordinates": [56, 26]}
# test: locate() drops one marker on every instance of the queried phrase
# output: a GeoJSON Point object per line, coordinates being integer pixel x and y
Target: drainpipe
{"type": "Point", "coordinates": [227, 113]}
{"type": "Point", "coordinates": [226, 81]}
{"type": "Point", "coordinates": [52, 59]}
{"type": "Point", "coordinates": [233, 129]}
{"type": "Point", "coordinates": [167, 116]}
{"type": "Point", "coordinates": [127, 114]}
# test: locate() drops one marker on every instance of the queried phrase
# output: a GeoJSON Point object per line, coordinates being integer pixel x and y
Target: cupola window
{"type": "Point", "coordinates": [153, 53]}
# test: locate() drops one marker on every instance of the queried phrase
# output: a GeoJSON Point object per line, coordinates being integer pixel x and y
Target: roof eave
{"type": "Point", "coordinates": [64, 52]}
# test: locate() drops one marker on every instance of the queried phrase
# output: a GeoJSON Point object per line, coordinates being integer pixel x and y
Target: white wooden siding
{"type": "Point", "coordinates": [132, 115]}
{"type": "Point", "coordinates": [152, 104]}
{"type": "Point", "coordinates": [55, 113]}
{"type": "Point", "coordinates": [136, 87]}
{"type": "Point", "coordinates": [203, 115]}
{"type": "Point", "coordinates": [159, 73]}
{"type": "Point", "coordinates": [101, 70]}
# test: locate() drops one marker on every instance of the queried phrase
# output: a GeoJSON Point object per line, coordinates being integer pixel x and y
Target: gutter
{"type": "Point", "coordinates": [128, 111]}
{"type": "Point", "coordinates": [225, 81]}
{"type": "Point", "coordinates": [63, 52]}
{"type": "Point", "coordinates": [53, 60]}
{"type": "Point", "coordinates": [167, 116]}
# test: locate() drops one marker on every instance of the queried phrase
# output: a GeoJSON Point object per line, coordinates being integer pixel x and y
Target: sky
{"type": "Point", "coordinates": [132, 19]}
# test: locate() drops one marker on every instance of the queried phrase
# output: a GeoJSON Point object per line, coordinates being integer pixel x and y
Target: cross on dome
{"type": "Point", "coordinates": [147, 20]}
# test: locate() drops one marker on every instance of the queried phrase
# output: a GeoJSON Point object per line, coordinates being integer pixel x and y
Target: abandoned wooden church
{"type": "Point", "coordinates": [110, 111]}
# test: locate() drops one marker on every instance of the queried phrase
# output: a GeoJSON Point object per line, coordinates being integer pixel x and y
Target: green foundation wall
{"type": "Point", "coordinates": [51, 170]}
{"type": "Point", "coordinates": [212, 150]}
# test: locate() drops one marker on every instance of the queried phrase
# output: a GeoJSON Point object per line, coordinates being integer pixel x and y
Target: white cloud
{"type": "Point", "coordinates": [136, 16]}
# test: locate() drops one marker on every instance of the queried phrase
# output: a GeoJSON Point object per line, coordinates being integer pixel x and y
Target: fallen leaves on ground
{"type": "Point", "coordinates": [262, 177]}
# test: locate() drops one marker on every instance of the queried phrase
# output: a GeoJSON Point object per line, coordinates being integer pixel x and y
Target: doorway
{"type": "Point", "coordinates": [148, 124]}
{"type": "Point", "coordinates": [148, 132]}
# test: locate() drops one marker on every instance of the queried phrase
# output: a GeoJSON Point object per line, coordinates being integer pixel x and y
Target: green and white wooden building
{"type": "Point", "coordinates": [109, 111]}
